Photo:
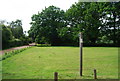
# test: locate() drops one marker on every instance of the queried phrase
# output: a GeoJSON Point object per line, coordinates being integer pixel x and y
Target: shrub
{"type": "Point", "coordinates": [15, 42]}
{"type": "Point", "coordinates": [43, 45]}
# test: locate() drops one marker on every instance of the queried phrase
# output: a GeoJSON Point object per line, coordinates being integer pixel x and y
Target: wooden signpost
{"type": "Point", "coordinates": [56, 76]}
{"type": "Point", "coordinates": [81, 56]}
{"type": "Point", "coordinates": [95, 74]}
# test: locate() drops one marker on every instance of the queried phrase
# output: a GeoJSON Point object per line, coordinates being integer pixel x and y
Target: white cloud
{"type": "Point", "coordinates": [24, 9]}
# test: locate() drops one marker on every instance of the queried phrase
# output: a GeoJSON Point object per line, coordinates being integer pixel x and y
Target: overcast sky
{"type": "Point", "coordinates": [10, 10]}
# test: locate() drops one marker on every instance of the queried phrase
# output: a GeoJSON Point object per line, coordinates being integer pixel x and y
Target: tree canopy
{"type": "Point", "coordinates": [45, 25]}
{"type": "Point", "coordinates": [12, 34]}
{"type": "Point", "coordinates": [99, 22]}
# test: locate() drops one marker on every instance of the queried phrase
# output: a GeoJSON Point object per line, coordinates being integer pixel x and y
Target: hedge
{"type": "Point", "coordinates": [43, 45]}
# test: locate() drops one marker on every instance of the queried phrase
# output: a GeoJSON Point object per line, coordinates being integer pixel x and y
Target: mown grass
{"type": "Point", "coordinates": [42, 62]}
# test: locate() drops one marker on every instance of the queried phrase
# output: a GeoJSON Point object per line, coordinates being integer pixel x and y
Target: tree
{"type": "Point", "coordinates": [46, 25]}
{"type": "Point", "coordinates": [16, 28]}
{"type": "Point", "coordinates": [6, 36]}
{"type": "Point", "coordinates": [12, 34]}
{"type": "Point", "coordinates": [111, 20]}
{"type": "Point", "coordinates": [84, 17]}
{"type": "Point", "coordinates": [99, 22]}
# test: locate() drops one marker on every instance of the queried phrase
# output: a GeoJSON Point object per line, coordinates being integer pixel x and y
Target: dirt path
{"type": "Point", "coordinates": [16, 48]}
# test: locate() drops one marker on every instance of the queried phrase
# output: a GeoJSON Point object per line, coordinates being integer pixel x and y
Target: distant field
{"type": "Point", "coordinates": [42, 62]}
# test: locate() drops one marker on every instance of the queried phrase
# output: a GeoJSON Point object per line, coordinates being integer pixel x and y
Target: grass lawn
{"type": "Point", "coordinates": [42, 62]}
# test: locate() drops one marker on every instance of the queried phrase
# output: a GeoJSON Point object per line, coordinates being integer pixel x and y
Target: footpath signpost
{"type": "Point", "coordinates": [81, 56]}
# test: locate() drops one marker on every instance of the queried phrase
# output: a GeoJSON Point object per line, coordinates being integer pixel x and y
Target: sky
{"type": "Point", "coordinates": [10, 10]}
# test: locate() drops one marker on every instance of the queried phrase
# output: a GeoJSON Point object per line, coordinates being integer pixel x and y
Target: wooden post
{"type": "Point", "coordinates": [81, 56]}
{"type": "Point", "coordinates": [95, 74]}
{"type": "Point", "coordinates": [55, 76]}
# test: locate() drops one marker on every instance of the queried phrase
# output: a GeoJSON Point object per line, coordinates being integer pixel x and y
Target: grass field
{"type": "Point", "coordinates": [42, 62]}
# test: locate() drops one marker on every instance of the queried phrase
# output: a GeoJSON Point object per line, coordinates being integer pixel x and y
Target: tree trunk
{"type": "Point", "coordinates": [114, 30]}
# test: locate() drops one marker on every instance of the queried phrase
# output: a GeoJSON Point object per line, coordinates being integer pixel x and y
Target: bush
{"type": "Point", "coordinates": [15, 42]}
{"type": "Point", "coordinates": [25, 40]}
{"type": "Point", "coordinates": [100, 45]}
{"type": "Point", "coordinates": [43, 45]}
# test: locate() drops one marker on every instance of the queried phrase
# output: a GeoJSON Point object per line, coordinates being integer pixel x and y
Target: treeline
{"type": "Point", "coordinates": [12, 34]}
{"type": "Point", "coordinates": [99, 22]}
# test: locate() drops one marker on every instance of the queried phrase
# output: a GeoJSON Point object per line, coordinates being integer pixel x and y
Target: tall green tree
{"type": "Point", "coordinates": [6, 35]}
{"type": "Point", "coordinates": [45, 25]}
{"type": "Point", "coordinates": [111, 21]}
{"type": "Point", "coordinates": [16, 28]}
{"type": "Point", "coordinates": [99, 22]}
{"type": "Point", "coordinates": [84, 17]}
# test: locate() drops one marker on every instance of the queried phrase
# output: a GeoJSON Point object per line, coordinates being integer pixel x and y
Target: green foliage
{"type": "Point", "coordinates": [110, 13]}
{"type": "Point", "coordinates": [104, 39]}
{"type": "Point", "coordinates": [6, 33]}
{"type": "Point", "coordinates": [43, 45]}
{"type": "Point", "coordinates": [85, 18]}
{"type": "Point", "coordinates": [12, 34]}
{"type": "Point", "coordinates": [99, 23]}
{"type": "Point", "coordinates": [15, 42]}
{"type": "Point", "coordinates": [45, 25]}
{"type": "Point", "coordinates": [16, 28]}
{"type": "Point", "coordinates": [6, 36]}
{"type": "Point", "coordinates": [41, 40]}
{"type": "Point", "coordinates": [25, 39]}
